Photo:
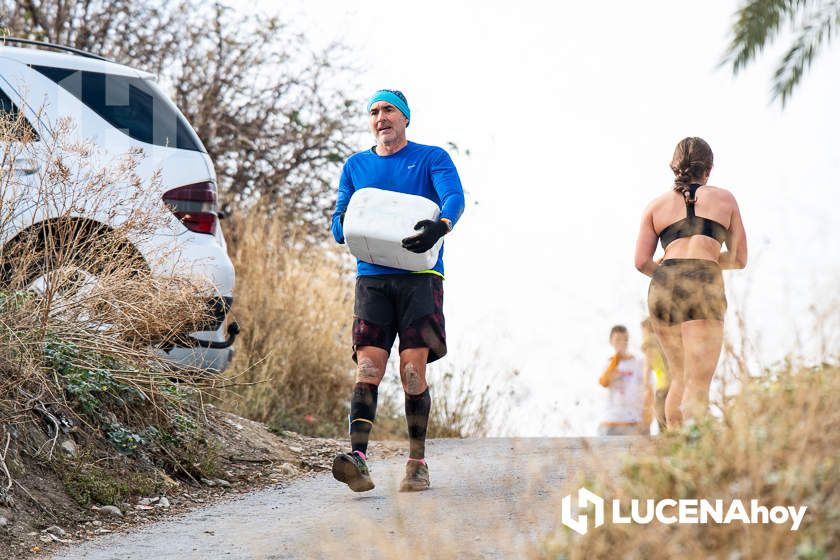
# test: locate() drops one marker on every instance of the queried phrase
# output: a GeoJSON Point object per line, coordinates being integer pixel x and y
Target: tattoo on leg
{"type": "Point", "coordinates": [367, 372]}
{"type": "Point", "coordinates": [412, 380]}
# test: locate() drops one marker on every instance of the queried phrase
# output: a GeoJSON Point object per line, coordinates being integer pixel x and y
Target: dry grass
{"type": "Point", "coordinates": [81, 315]}
{"type": "Point", "coordinates": [294, 302]}
{"type": "Point", "coordinates": [776, 441]}
{"type": "Point", "coordinates": [87, 275]}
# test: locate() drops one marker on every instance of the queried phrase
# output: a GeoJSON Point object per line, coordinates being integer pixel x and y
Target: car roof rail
{"type": "Point", "coordinates": [79, 52]}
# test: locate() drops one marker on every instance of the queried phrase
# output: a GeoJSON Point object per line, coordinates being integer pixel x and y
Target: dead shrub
{"type": "Point", "coordinates": [294, 301]}
{"type": "Point", "coordinates": [81, 316]}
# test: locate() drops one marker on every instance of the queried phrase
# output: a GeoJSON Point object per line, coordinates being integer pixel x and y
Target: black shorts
{"type": "Point", "coordinates": [408, 305]}
{"type": "Point", "coordinates": [687, 290]}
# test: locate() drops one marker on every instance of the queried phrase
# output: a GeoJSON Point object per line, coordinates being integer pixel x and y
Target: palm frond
{"type": "Point", "coordinates": [816, 32]}
{"type": "Point", "coordinates": [757, 22]}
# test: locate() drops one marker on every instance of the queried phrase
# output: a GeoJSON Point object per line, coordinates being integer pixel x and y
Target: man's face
{"type": "Point", "coordinates": [387, 123]}
{"type": "Point", "coordinates": [619, 342]}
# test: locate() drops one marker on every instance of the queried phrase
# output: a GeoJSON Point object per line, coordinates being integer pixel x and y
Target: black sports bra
{"type": "Point", "coordinates": [693, 225]}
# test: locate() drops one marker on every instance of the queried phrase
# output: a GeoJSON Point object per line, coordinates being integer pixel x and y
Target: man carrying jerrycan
{"type": "Point", "coordinates": [394, 298]}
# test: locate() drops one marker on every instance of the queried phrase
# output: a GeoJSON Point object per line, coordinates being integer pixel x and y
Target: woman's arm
{"type": "Point", "coordinates": [736, 254]}
{"type": "Point", "coordinates": [646, 244]}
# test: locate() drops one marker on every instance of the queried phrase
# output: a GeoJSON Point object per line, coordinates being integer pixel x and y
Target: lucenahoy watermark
{"type": "Point", "coordinates": [668, 511]}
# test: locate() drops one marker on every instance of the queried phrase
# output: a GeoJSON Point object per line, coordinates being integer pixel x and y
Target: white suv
{"type": "Point", "coordinates": [121, 109]}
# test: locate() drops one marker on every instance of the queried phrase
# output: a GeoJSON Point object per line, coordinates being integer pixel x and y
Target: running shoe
{"type": "Point", "coordinates": [352, 470]}
{"type": "Point", "coordinates": [416, 477]}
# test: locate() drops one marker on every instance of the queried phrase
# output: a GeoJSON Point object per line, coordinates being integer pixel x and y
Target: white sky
{"type": "Point", "coordinates": [571, 112]}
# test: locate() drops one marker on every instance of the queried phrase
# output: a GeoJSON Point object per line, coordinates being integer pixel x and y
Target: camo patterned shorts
{"type": "Point", "coordinates": [687, 290]}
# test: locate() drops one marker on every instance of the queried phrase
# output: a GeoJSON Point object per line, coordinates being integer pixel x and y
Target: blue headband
{"type": "Point", "coordinates": [393, 96]}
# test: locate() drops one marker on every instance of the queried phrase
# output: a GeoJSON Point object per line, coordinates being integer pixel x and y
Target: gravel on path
{"type": "Point", "coordinates": [490, 498]}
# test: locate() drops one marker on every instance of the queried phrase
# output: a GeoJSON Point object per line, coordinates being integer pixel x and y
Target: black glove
{"type": "Point", "coordinates": [425, 240]}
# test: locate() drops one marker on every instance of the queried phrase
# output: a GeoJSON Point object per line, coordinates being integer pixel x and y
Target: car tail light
{"type": "Point", "coordinates": [195, 206]}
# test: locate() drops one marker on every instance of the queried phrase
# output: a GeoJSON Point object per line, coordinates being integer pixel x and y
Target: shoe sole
{"type": "Point", "coordinates": [413, 486]}
{"type": "Point", "coordinates": [345, 471]}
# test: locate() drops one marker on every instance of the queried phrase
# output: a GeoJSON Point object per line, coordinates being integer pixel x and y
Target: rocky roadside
{"type": "Point", "coordinates": [250, 457]}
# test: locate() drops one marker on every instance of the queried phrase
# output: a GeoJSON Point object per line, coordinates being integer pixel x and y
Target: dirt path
{"type": "Point", "coordinates": [489, 499]}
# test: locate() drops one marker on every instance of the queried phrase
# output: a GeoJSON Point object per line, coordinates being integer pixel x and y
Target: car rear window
{"type": "Point", "coordinates": [20, 130]}
{"type": "Point", "coordinates": [135, 106]}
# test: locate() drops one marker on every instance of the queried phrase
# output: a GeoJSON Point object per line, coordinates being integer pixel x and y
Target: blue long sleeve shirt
{"type": "Point", "coordinates": [417, 169]}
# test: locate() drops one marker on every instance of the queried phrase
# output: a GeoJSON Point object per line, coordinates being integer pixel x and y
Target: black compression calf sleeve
{"type": "Point", "coordinates": [417, 409]}
{"type": "Point", "coordinates": [362, 414]}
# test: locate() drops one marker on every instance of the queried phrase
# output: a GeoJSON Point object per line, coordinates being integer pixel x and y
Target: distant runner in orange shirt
{"type": "Point", "coordinates": [630, 394]}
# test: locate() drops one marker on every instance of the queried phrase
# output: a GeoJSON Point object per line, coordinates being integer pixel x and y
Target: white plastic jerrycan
{"type": "Point", "coordinates": [377, 221]}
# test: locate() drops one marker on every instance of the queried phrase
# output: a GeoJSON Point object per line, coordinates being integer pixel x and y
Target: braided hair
{"type": "Point", "coordinates": [692, 159]}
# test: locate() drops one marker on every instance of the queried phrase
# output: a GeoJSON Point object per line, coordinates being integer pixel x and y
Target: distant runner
{"type": "Point", "coordinates": [686, 298]}
{"type": "Point", "coordinates": [391, 302]}
{"type": "Point", "coordinates": [655, 363]}
{"type": "Point", "coordinates": [629, 399]}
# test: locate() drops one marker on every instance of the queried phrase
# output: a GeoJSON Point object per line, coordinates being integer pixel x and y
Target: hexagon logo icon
{"type": "Point", "coordinates": [580, 523]}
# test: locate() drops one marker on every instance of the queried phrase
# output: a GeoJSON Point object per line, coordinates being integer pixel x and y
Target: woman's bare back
{"type": "Point", "coordinates": [712, 203]}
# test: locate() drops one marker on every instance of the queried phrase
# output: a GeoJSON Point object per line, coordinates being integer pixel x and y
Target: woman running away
{"type": "Point", "coordinates": [686, 297]}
